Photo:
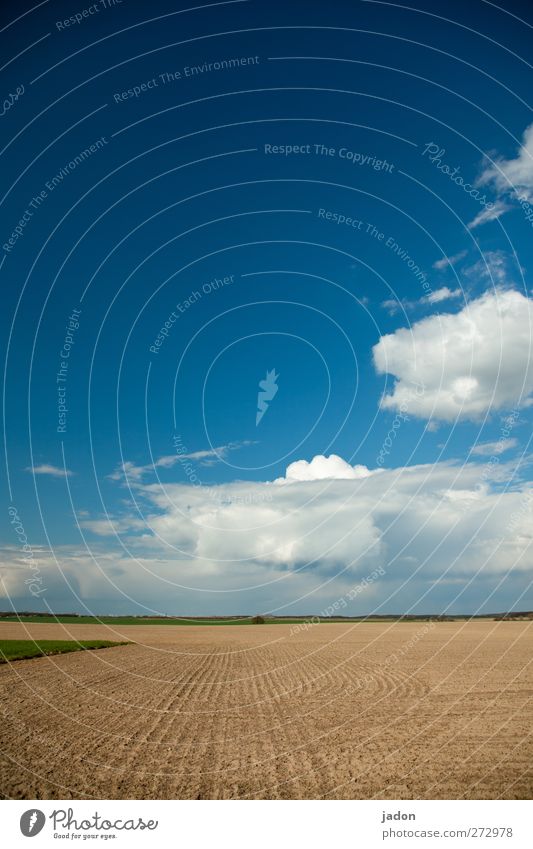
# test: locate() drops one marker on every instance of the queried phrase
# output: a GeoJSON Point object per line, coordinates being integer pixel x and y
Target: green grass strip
{"type": "Point", "coordinates": [23, 649]}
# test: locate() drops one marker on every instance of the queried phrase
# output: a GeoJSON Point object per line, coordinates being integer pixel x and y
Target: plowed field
{"type": "Point", "coordinates": [383, 711]}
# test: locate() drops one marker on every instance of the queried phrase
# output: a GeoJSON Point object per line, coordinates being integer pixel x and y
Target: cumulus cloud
{"type": "Point", "coordinates": [259, 545]}
{"type": "Point", "coordinates": [462, 365]}
{"type": "Point", "coordinates": [49, 469]}
{"type": "Point", "coordinates": [319, 514]}
{"type": "Point", "coordinates": [323, 468]}
{"type": "Point", "coordinates": [513, 176]}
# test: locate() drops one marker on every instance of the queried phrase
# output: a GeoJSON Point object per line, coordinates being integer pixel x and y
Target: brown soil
{"type": "Point", "coordinates": [383, 711]}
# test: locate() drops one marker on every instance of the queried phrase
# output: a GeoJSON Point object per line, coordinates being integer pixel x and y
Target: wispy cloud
{"type": "Point", "coordinates": [205, 457]}
{"type": "Point", "coordinates": [489, 449]}
{"type": "Point", "coordinates": [513, 177]}
{"type": "Point", "coordinates": [438, 296]}
{"type": "Point", "coordinates": [392, 306]}
{"type": "Point", "coordinates": [48, 469]}
{"type": "Point", "coordinates": [491, 213]}
{"type": "Point", "coordinates": [447, 261]}
{"type": "Point", "coordinates": [497, 266]}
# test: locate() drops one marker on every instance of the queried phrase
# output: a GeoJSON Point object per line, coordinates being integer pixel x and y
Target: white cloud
{"type": "Point", "coordinates": [447, 261]}
{"type": "Point", "coordinates": [257, 545]}
{"type": "Point", "coordinates": [497, 266]}
{"type": "Point", "coordinates": [489, 213]}
{"type": "Point", "coordinates": [494, 449]}
{"type": "Point", "coordinates": [462, 365]}
{"type": "Point", "coordinates": [513, 176]}
{"type": "Point", "coordinates": [48, 469]}
{"type": "Point", "coordinates": [128, 471]}
{"type": "Point", "coordinates": [320, 513]}
{"type": "Point", "coordinates": [443, 294]}
{"type": "Point", "coordinates": [393, 306]}
{"type": "Point", "coordinates": [323, 468]}
{"type": "Point", "coordinates": [133, 473]}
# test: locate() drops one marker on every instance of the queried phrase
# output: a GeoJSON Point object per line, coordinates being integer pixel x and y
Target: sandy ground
{"type": "Point", "coordinates": [337, 711]}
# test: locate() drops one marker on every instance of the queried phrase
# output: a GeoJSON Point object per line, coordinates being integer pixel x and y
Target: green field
{"type": "Point", "coordinates": [137, 620]}
{"type": "Point", "coordinates": [243, 620]}
{"type": "Point", "coordinates": [23, 649]}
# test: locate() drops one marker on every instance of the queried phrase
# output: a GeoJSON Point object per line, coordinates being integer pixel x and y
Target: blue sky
{"type": "Point", "coordinates": [193, 199]}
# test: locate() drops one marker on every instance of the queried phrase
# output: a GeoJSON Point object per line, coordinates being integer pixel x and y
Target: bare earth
{"type": "Point", "coordinates": [375, 711]}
